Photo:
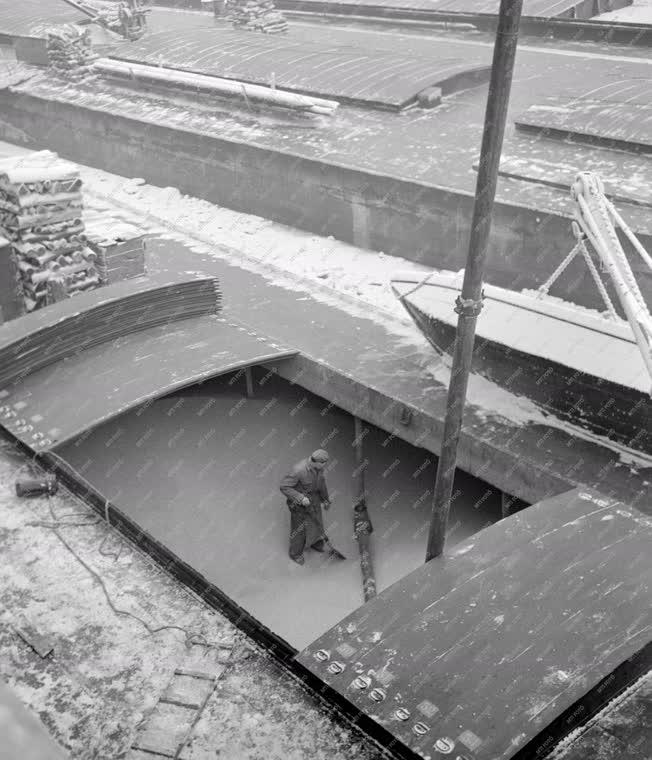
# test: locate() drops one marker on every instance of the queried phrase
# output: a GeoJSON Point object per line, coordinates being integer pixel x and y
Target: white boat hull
{"type": "Point", "coordinates": [574, 362]}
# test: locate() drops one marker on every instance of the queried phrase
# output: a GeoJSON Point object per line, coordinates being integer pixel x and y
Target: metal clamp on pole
{"type": "Point", "coordinates": [468, 307]}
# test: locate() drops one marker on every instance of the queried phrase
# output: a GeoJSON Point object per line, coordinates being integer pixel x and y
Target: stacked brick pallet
{"type": "Point", "coordinates": [41, 215]}
{"type": "Point", "coordinates": [70, 52]}
{"type": "Point", "coordinates": [11, 296]}
{"type": "Point", "coordinates": [257, 16]}
{"type": "Point", "coordinates": [119, 247]}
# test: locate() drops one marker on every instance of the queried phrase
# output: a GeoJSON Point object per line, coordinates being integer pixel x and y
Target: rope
{"type": "Point", "coordinates": [418, 285]}
{"type": "Point", "coordinates": [598, 281]}
{"type": "Point", "coordinates": [595, 214]}
{"type": "Point", "coordinates": [543, 290]}
{"type": "Point", "coordinates": [630, 235]}
{"type": "Point", "coordinates": [56, 523]}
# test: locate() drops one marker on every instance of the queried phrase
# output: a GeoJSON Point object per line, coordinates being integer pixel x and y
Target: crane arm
{"type": "Point", "coordinates": [598, 219]}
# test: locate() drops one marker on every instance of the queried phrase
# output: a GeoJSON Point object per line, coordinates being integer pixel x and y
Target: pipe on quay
{"type": "Point", "coordinates": [215, 85]}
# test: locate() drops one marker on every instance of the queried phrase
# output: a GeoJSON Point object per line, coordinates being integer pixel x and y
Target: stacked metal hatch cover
{"type": "Point", "coordinates": [500, 648]}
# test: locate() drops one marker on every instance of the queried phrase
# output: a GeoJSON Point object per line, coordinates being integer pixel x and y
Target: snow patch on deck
{"type": "Point", "coordinates": [639, 12]}
{"type": "Point", "coordinates": [352, 279]}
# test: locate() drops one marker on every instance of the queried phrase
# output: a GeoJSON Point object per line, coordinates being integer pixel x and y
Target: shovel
{"type": "Point", "coordinates": [332, 551]}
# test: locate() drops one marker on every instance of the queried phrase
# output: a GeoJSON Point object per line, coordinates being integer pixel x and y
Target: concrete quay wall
{"type": "Point", "coordinates": [422, 223]}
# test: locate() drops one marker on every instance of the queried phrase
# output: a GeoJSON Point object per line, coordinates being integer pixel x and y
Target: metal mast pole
{"type": "Point", "coordinates": [469, 304]}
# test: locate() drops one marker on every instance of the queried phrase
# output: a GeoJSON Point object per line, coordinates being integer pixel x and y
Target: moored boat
{"type": "Point", "coordinates": [576, 363]}
{"type": "Point", "coordinates": [589, 368]}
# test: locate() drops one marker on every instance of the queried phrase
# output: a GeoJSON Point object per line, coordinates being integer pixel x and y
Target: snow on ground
{"type": "Point", "coordinates": [119, 626]}
{"type": "Point", "coordinates": [332, 263]}
{"type": "Point", "coordinates": [328, 264]}
{"type": "Point", "coordinates": [345, 276]}
{"type": "Point", "coordinates": [640, 12]}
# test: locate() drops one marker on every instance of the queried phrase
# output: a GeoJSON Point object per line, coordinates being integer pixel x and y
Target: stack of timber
{"type": "Point", "coordinates": [210, 85]}
{"type": "Point", "coordinates": [50, 335]}
{"type": "Point", "coordinates": [119, 247]}
{"type": "Point", "coordinates": [257, 16]}
{"type": "Point", "coordinates": [41, 208]}
{"type": "Point", "coordinates": [127, 18]}
{"type": "Point", "coordinates": [11, 293]}
{"type": "Point", "coordinates": [70, 52]}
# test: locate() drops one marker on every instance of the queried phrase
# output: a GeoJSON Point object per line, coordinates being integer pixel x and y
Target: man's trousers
{"type": "Point", "coordinates": [306, 526]}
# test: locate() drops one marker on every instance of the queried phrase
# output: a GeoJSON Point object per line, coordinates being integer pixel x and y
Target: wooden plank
{"type": "Point", "coordinates": [194, 674]}
{"type": "Point", "coordinates": [165, 729]}
{"type": "Point", "coordinates": [41, 644]}
{"type": "Point", "coordinates": [198, 714]}
{"type": "Point", "coordinates": [152, 750]}
{"type": "Point", "coordinates": [187, 690]}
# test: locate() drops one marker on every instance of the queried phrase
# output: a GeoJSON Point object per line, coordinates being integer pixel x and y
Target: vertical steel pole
{"type": "Point", "coordinates": [362, 527]}
{"type": "Point", "coordinates": [249, 382]}
{"type": "Point", "coordinates": [469, 304]}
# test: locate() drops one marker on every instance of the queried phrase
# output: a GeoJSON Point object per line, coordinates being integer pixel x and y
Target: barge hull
{"type": "Point", "coordinates": [621, 414]}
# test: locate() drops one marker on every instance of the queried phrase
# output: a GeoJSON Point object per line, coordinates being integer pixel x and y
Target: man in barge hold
{"type": "Point", "coordinates": [306, 493]}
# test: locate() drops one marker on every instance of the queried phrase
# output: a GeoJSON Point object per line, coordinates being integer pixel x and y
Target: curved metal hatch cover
{"type": "Point", "coordinates": [381, 79]}
{"type": "Point", "coordinates": [32, 18]}
{"type": "Point", "coordinates": [63, 400]}
{"type": "Point", "coordinates": [484, 654]}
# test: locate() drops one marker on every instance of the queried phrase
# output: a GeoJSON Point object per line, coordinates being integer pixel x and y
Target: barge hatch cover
{"type": "Point", "coordinates": [477, 653]}
{"type": "Point", "coordinates": [64, 400]}
{"type": "Point", "coordinates": [381, 79]}
{"type": "Point", "coordinates": [572, 9]}
{"type": "Point", "coordinates": [33, 18]}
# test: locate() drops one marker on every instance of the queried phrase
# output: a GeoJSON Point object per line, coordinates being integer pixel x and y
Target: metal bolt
{"type": "Point", "coordinates": [322, 655]}
{"type": "Point", "coordinates": [445, 746]}
{"type": "Point", "coordinates": [335, 668]}
{"type": "Point", "coordinates": [402, 713]}
{"type": "Point", "coordinates": [420, 728]}
{"type": "Point", "coordinates": [361, 682]}
{"type": "Point", "coordinates": [378, 695]}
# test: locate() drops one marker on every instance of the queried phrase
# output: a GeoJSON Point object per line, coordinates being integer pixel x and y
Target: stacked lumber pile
{"type": "Point", "coordinates": [48, 336]}
{"type": "Point", "coordinates": [119, 247]}
{"type": "Point", "coordinates": [223, 88]}
{"type": "Point", "coordinates": [128, 18]}
{"type": "Point", "coordinates": [41, 214]}
{"type": "Point", "coordinates": [106, 12]}
{"type": "Point", "coordinates": [70, 52]}
{"type": "Point", "coordinates": [11, 294]}
{"type": "Point", "coordinates": [257, 16]}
